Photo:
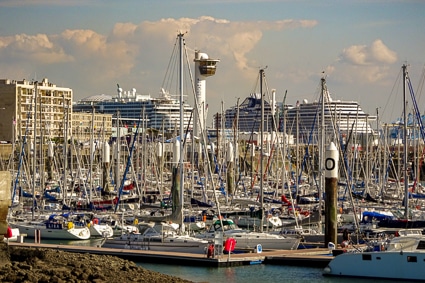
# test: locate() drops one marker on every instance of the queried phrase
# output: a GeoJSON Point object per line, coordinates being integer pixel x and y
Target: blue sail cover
{"type": "Point", "coordinates": [368, 216]}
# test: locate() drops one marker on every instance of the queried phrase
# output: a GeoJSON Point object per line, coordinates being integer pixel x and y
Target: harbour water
{"type": "Point", "coordinates": [252, 274]}
{"type": "Point", "coordinates": [240, 274]}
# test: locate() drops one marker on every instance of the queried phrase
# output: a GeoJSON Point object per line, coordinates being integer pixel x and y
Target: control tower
{"type": "Point", "coordinates": [204, 67]}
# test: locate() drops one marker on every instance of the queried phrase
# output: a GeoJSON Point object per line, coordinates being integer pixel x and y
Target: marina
{"type": "Point", "coordinates": [167, 193]}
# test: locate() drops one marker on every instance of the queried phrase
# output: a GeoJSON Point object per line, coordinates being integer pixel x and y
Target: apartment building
{"type": "Point", "coordinates": [85, 123]}
{"type": "Point", "coordinates": [34, 109]}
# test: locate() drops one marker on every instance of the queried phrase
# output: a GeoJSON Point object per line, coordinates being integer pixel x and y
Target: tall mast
{"type": "Point", "coordinates": [181, 42]}
{"type": "Point", "coordinates": [321, 149]}
{"type": "Point", "coordinates": [405, 147]}
{"type": "Point", "coordinates": [91, 152]}
{"type": "Point", "coordinates": [261, 149]}
{"type": "Point", "coordinates": [118, 153]}
{"type": "Point", "coordinates": [34, 152]}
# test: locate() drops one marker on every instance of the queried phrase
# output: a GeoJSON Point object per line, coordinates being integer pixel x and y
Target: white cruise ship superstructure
{"type": "Point", "coordinates": [160, 113]}
{"type": "Point", "coordinates": [343, 117]}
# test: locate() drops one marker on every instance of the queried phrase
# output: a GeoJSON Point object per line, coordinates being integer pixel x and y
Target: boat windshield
{"type": "Point", "coordinates": [227, 225]}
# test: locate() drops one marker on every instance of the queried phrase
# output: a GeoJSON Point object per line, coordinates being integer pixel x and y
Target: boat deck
{"type": "Point", "coordinates": [316, 257]}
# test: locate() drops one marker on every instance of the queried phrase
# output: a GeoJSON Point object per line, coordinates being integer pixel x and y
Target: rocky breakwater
{"type": "Point", "coordinates": [48, 265]}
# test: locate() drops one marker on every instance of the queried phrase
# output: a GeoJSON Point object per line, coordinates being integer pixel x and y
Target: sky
{"type": "Point", "coordinates": [91, 46]}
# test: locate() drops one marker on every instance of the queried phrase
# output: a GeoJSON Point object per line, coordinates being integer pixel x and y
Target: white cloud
{"type": "Point", "coordinates": [37, 49]}
{"type": "Point", "coordinates": [135, 54]}
{"type": "Point", "coordinates": [377, 53]}
{"type": "Point", "coordinates": [365, 63]}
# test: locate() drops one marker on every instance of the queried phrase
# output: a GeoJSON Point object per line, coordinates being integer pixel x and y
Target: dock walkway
{"type": "Point", "coordinates": [318, 257]}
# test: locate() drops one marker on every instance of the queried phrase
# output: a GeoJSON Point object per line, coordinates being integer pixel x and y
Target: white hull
{"type": "Point", "coordinates": [395, 265]}
{"type": "Point", "coordinates": [120, 230]}
{"type": "Point", "coordinates": [250, 240]}
{"type": "Point", "coordinates": [29, 228]}
{"type": "Point", "coordinates": [182, 244]}
{"type": "Point", "coordinates": [101, 230]}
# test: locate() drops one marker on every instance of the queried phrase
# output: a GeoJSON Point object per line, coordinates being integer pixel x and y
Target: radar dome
{"type": "Point", "coordinates": [203, 56]}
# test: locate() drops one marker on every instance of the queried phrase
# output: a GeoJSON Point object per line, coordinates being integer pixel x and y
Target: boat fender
{"type": "Point", "coordinates": [8, 233]}
{"type": "Point", "coordinates": [95, 221]}
{"type": "Point", "coordinates": [229, 245]}
{"type": "Point", "coordinates": [210, 251]}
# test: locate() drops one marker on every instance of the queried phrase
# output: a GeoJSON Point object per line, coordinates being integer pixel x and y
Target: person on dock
{"type": "Point", "coordinates": [345, 238]}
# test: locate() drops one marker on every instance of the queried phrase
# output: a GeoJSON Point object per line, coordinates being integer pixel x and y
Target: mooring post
{"type": "Point", "coordinates": [331, 191]}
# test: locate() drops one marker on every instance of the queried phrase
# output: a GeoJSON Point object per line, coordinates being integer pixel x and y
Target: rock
{"type": "Point", "coordinates": [4, 254]}
{"type": "Point", "coordinates": [46, 265]}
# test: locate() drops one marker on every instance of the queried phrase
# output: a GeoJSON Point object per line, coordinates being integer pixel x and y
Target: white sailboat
{"type": "Point", "coordinates": [56, 227]}
{"type": "Point", "coordinates": [158, 237]}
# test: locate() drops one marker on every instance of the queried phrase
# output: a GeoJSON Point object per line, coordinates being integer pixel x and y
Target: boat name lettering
{"type": "Point", "coordinates": [54, 225]}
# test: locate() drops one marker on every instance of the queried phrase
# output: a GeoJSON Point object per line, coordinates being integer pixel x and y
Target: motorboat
{"type": "Point", "coordinates": [400, 258]}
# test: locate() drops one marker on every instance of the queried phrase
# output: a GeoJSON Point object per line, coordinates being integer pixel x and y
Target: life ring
{"type": "Point", "coordinates": [136, 221]}
{"type": "Point", "coordinates": [70, 225]}
{"type": "Point", "coordinates": [95, 221]}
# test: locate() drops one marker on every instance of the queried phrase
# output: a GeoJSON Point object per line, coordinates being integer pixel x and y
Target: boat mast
{"type": "Point", "coordinates": [118, 152]}
{"type": "Point", "coordinates": [34, 152]}
{"type": "Point", "coordinates": [181, 42]}
{"type": "Point", "coordinates": [65, 149]}
{"type": "Point", "coordinates": [91, 153]}
{"type": "Point", "coordinates": [284, 145]}
{"type": "Point", "coordinates": [261, 150]}
{"type": "Point", "coordinates": [405, 147]}
{"type": "Point", "coordinates": [322, 134]}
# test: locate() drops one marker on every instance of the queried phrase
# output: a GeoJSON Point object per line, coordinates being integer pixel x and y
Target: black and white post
{"type": "Point", "coordinates": [331, 192]}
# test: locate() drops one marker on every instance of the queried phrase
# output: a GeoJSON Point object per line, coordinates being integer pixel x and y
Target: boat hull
{"type": "Point", "coordinates": [397, 265]}
{"type": "Point", "coordinates": [138, 242]}
{"type": "Point", "coordinates": [75, 233]}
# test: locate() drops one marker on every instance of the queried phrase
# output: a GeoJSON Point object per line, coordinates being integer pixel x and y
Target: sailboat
{"type": "Point", "coordinates": [56, 227]}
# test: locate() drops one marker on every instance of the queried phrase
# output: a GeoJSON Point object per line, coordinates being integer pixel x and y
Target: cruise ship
{"type": "Point", "coordinates": [343, 117]}
{"type": "Point", "coordinates": [161, 113]}
{"type": "Point", "coordinates": [249, 111]}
